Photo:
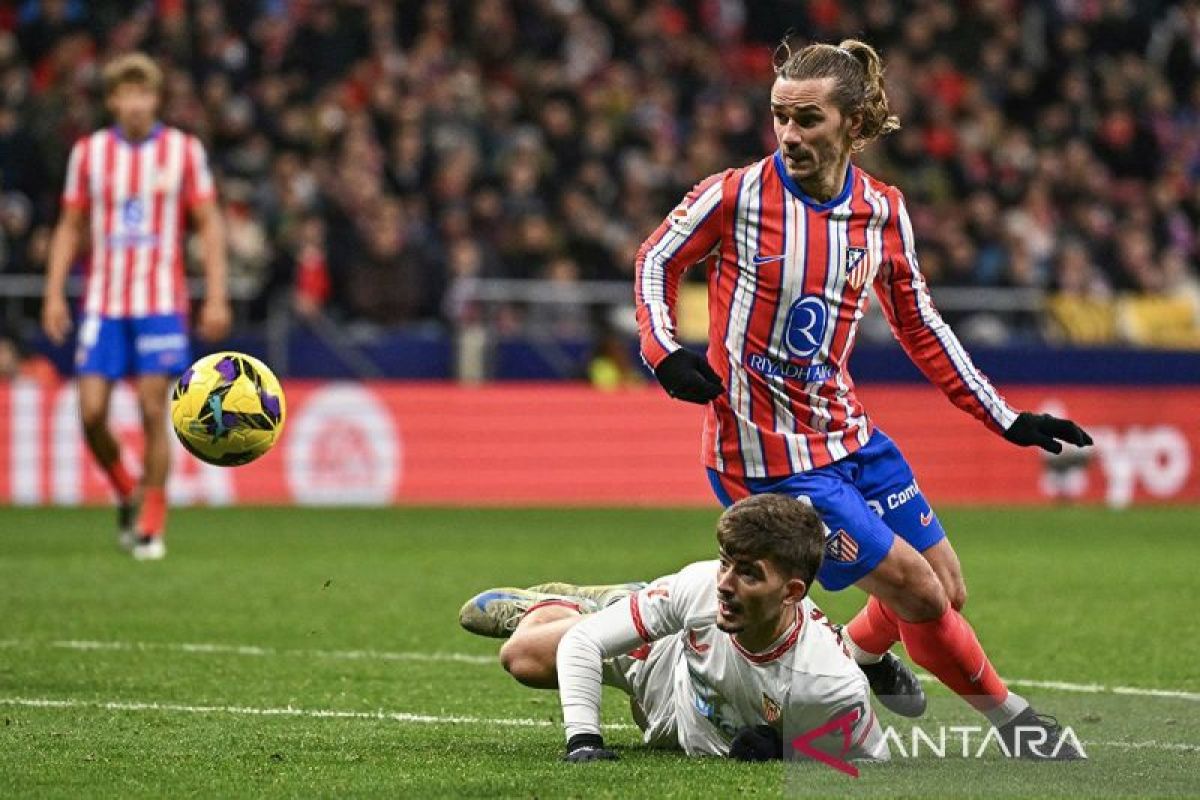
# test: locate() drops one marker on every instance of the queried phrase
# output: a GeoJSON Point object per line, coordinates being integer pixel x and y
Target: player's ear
{"type": "Point", "coordinates": [855, 126]}
{"type": "Point", "coordinates": [795, 590]}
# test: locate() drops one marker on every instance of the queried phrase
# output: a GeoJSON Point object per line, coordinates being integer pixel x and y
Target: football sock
{"type": "Point", "coordinates": [1007, 711]}
{"type": "Point", "coordinates": [872, 632]}
{"type": "Point", "coordinates": [948, 648]}
{"type": "Point", "coordinates": [122, 482]}
{"type": "Point", "coordinates": [153, 516]}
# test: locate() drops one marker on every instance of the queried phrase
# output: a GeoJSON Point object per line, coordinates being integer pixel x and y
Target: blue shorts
{"type": "Point", "coordinates": [117, 347]}
{"type": "Point", "coordinates": [865, 500]}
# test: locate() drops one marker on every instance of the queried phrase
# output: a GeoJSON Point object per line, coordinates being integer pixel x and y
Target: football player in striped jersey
{"type": "Point", "coordinates": [793, 245]}
{"type": "Point", "coordinates": [129, 189]}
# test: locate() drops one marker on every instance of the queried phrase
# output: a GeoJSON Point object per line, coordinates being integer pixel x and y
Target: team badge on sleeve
{"type": "Point", "coordinates": [683, 219]}
{"type": "Point", "coordinates": [841, 547]}
{"type": "Point", "coordinates": [858, 266]}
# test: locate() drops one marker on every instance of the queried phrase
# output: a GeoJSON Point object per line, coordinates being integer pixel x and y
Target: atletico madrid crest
{"type": "Point", "coordinates": [841, 547]}
{"type": "Point", "coordinates": [858, 266]}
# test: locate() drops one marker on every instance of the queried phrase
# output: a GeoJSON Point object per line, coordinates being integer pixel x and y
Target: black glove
{"type": "Point", "coordinates": [688, 376]}
{"type": "Point", "coordinates": [760, 743]}
{"type": "Point", "coordinates": [1043, 430]}
{"type": "Point", "coordinates": [588, 747]}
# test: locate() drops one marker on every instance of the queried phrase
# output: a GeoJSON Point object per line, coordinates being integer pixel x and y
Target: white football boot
{"type": "Point", "coordinates": [149, 548]}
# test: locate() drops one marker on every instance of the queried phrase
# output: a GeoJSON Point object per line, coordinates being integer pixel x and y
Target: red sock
{"type": "Point", "coordinates": [122, 482]}
{"type": "Point", "coordinates": [948, 648]}
{"type": "Point", "coordinates": [875, 628]}
{"type": "Point", "coordinates": [153, 517]}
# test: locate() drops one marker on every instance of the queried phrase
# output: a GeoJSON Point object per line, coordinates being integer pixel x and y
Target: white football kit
{"type": "Point", "coordinates": [695, 686]}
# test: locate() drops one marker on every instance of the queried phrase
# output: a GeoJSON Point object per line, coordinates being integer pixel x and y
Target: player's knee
{"type": "Point", "coordinates": [525, 666]}
{"type": "Point", "coordinates": [93, 418]}
{"type": "Point", "coordinates": [923, 598]}
{"type": "Point", "coordinates": [154, 420]}
{"type": "Point", "coordinates": [957, 595]}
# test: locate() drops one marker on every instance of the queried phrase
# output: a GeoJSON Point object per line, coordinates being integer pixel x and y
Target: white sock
{"type": "Point", "coordinates": [859, 655]}
{"type": "Point", "coordinates": [1007, 711]}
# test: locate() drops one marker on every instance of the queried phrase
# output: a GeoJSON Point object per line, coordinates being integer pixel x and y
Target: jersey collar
{"type": "Point", "coordinates": [797, 192]}
{"type": "Point", "coordinates": [150, 137]}
{"type": "Point", "coordinates": [782, 645]}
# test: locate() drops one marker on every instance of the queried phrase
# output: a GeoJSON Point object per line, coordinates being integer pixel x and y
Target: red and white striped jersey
{"type": "Point", "coordinates": [787, 286]}
{"type": "Point", "coordinates": [136, 195]}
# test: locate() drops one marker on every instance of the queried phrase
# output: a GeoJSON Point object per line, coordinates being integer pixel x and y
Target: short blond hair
{"type": "Point", "coordinates": [132, 68]}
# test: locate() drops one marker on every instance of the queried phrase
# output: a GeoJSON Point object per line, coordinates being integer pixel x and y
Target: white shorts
{"type": "Point", "coordinates": [649, 682]}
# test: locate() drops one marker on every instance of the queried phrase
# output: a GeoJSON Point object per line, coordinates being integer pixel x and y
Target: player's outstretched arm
{"type": "Point", "coordinates": [580, 666]}
{"type": "Point", "coordinates": [1046, 432]}
{"type": "Point", "coordinates": [920, 329]}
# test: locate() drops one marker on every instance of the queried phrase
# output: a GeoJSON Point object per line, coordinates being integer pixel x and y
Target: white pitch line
{"type": "Point", "coordinates": [254, 650]}
{"type": "Point", "coordinates": [287, 711]}
{"type": "Point", "coordinates": [1087, 688]}
{"type": "Point", "coordinates": [466, 658]}
{"type": "Point", "coordinates": [1151, 745]}
{"type": "Point", "coordinates": [400, 716]}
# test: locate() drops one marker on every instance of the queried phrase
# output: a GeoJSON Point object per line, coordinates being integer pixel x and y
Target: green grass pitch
{"type": "Point", "coordinates": [310, 652]}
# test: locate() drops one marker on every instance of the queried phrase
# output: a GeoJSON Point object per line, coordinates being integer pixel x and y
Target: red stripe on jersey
{"type": "Point", "coordinates": [763, 308]}
{"type": "Point", "coordinates": [735, 488]}
{"type": "Point", "coordinates": [636, 613]}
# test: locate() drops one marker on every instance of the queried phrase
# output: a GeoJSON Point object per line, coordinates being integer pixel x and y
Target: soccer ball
{"type": "Point", "coordinates": [228, 409]}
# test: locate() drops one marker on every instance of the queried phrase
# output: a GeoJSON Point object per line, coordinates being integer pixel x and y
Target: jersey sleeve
{"type": "Point", "coordinates": [660, 609]}
{"type": "Point", "coordinates": [688, 234]}
{"type": "Point", "coordinates": [75, 190]}
{"type": "Point", "coordinates": [671, 604]}
{"type": "Point", "coordinates": [198, 181]}
{"type": "Point", "coordinates": [925, 336]}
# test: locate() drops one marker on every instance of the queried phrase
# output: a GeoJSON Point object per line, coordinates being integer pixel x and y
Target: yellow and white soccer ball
{"type": "Point", "coordinates": [228, 409]}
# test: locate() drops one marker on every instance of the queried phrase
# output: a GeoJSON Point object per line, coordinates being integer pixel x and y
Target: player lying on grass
{"type": "Point", "coordinates": [726, 657]}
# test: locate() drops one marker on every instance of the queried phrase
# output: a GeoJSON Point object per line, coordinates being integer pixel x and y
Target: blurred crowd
{"type": "Point", "coordinates": [376, 159]}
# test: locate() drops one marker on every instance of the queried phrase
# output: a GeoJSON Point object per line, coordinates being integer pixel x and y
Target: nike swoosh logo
{"type": "Point", "coordinates": [759, 258]}
{"type": "Point", "coordinates": [927, 518]}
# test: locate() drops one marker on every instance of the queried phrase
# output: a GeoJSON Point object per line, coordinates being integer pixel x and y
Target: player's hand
{"type": "Point", "coordinates": [1045, 431]}
{"type": "Point", "coordinates": [215, 320]}
{"type": "Point", "coordinates": [760, 743]}
{"type": "Point", "coordinates": [56, 318]}
{"type": "Point", "coordinates": [588, 747]}
{"type": "Point", "coordinates": [688, 376]}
